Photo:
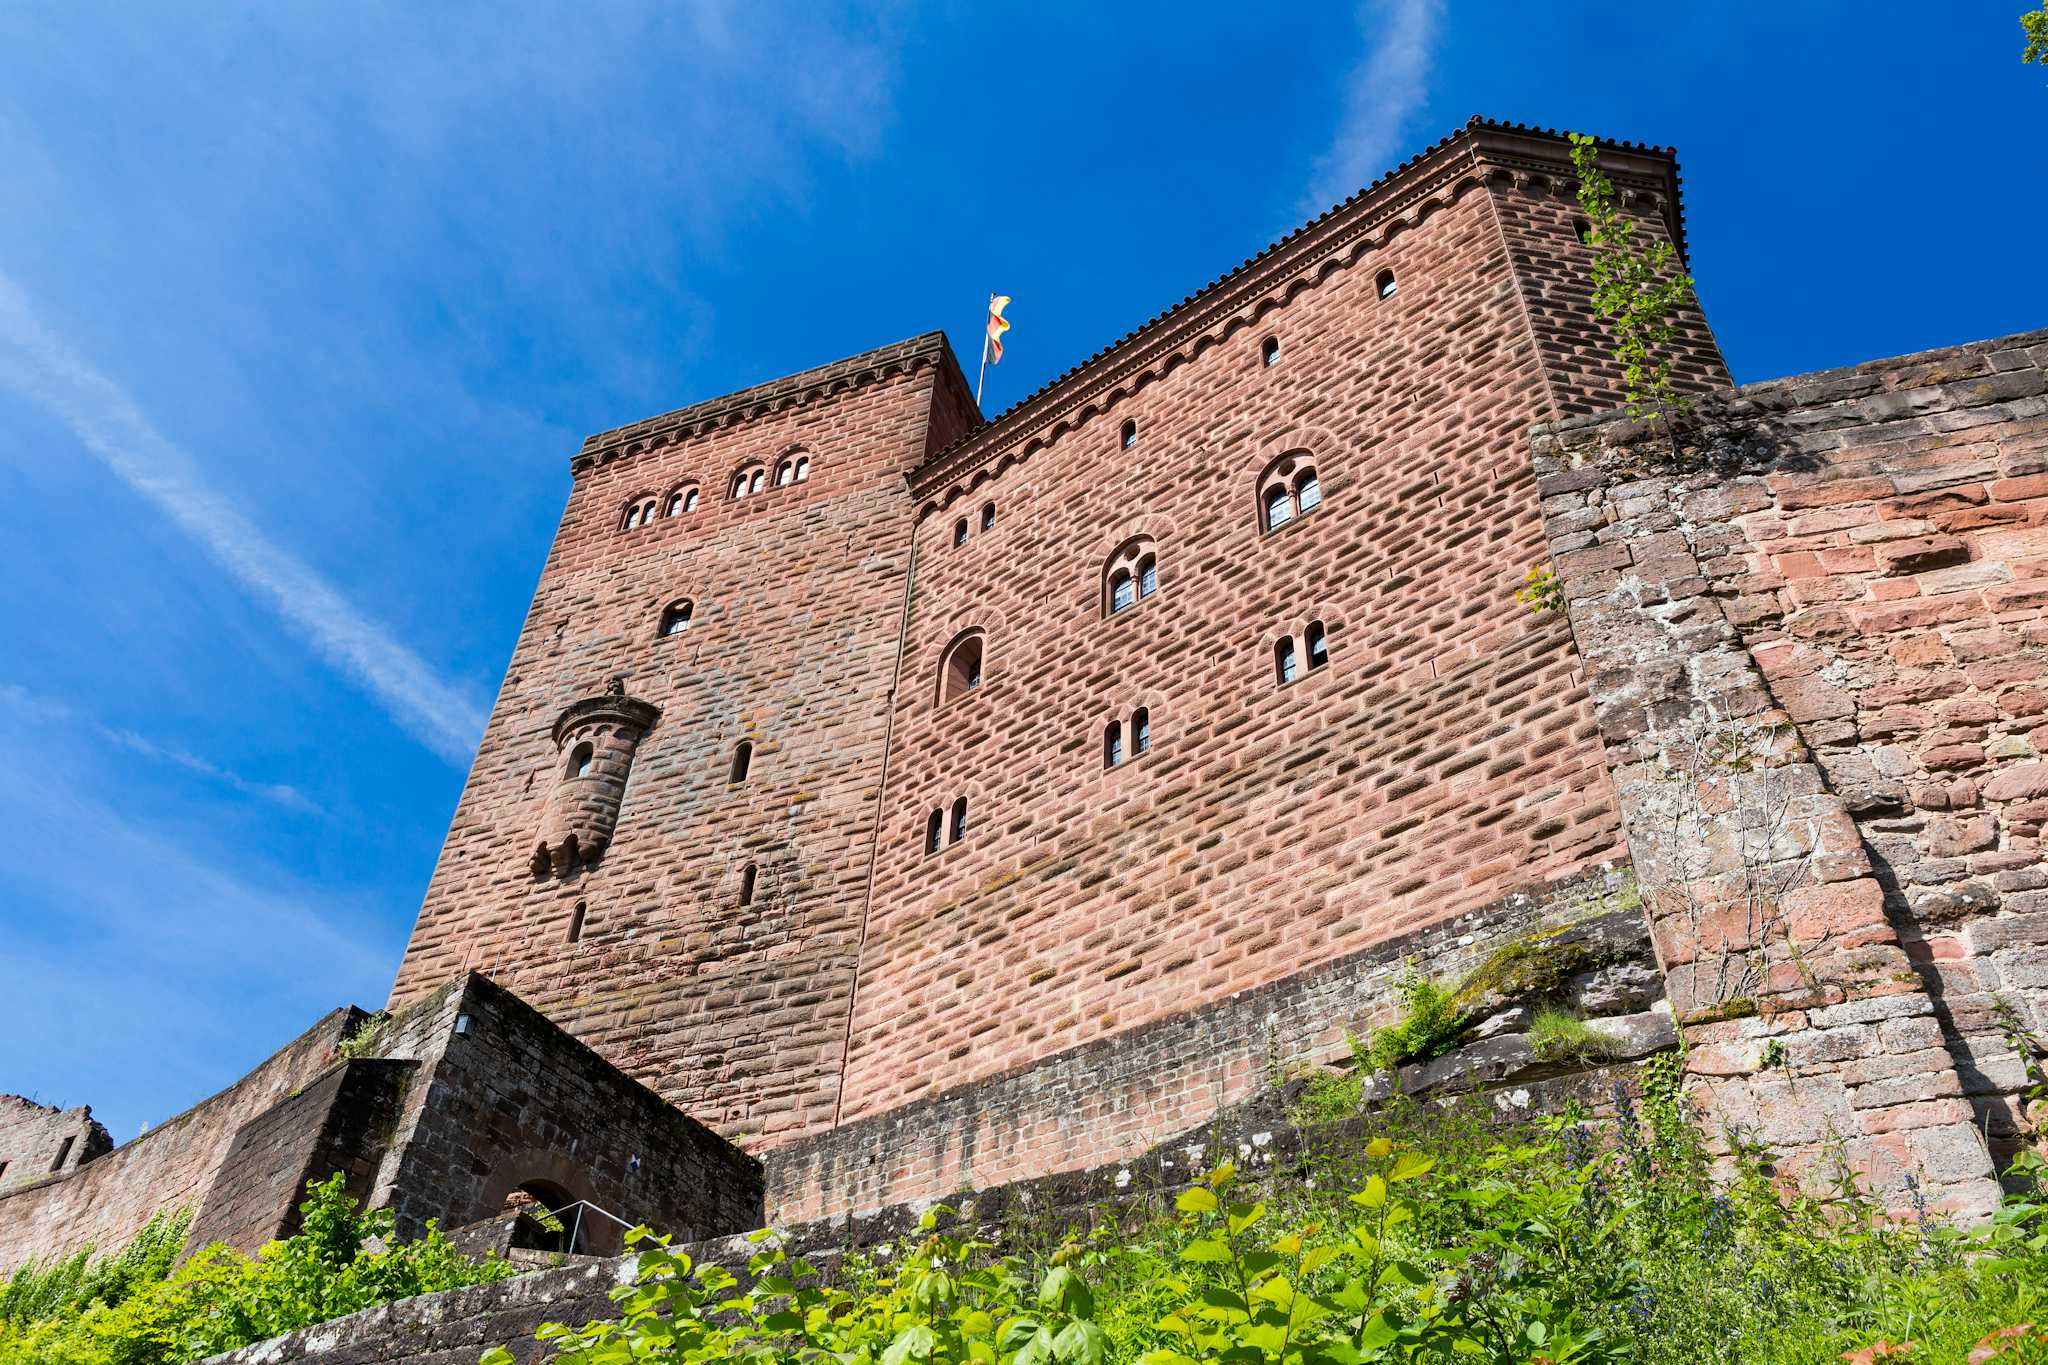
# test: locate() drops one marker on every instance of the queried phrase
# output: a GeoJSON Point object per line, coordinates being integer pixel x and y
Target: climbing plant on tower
{"type": "Point", "coordinates": [1637, 287]}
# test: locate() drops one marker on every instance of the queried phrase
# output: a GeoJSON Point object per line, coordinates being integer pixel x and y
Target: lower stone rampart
{"type": "Point", "coordinates": [1121, 1096]}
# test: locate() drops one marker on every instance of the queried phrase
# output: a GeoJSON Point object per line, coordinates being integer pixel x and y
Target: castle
{"type": "Point", "coordinates": [922, 802]}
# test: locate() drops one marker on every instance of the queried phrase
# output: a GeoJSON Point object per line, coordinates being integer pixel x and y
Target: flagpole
{"type": "Point", "coordinates": [984, 357]}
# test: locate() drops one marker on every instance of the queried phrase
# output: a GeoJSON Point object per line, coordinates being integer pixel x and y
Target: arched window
{"type": "Point", "coordinates": [576, 922]}
{"type": "Point", "coordinates": [747, 877]}
{"type": "Point", "coordinates": [1582, 230]}
{"type": "Point", "coordinates": [739, 484]}
{"type": "Point", "coordinates": [749, 481]}
{"type": "Point", "coordinates": [1128, 438]}
{"type": "Point", "coordinates": [961, 671]}
{"type": "Point", "coordinates": [754, 484]}
{"type": "Point", "coordinates": [638, 513]}
{"type": "Point", "coordinates": [690, 499]}
{"type": "Point", "coordinates": [1122, 590]}
{"type": "Point", "coordinates": [675, 619]}
{"type": "Point", "coordinates": [1318, 647]}
{"type": "Point", "coordinates": [960, 531]}
{"type": "Point", "coordinates": [742, 759]}
{"type": "Point", "coordinates": [1384, 284]}
{"type": "Point", "coordinates": [934, 831]}
{"type": "Point", "coordinates": [785, 474]}
{"type": "Point", "coordinates": [1141, 731]}
{"type": "Point", "coordinates": [1112, 744]}
{"type": "Point", "coordinates": [988, 516]}
{"type": "Point", "coordinates": [680, 501]}
{"type": "Point", "coordinates": [1283, 658]}
{"type": "Point", "coordinates": [959, 830]}
{"type": "Point", "coordinates": [1269, 352]}
{"type": "Point", "coordinates": [581, 760]}
{"type": "Point", "coordinates": [1130, 576]}
{"type": "Point", "coordinates": [803, 468]}
{"type": "Point", "coordinates": [1289, 489]}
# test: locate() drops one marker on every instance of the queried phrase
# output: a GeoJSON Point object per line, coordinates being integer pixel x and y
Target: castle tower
{"type": "Point", "coordinates": [664, 842]}
{"type": "Point", "coordinates": [1018, 789]}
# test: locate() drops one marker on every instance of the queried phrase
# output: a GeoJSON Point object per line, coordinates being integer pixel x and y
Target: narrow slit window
{"type": "Point", "coordinates": [582, 760]}
{"type": "Point", "coordinates": [1283, 659]}
{"type": "Point", "coordinates": [1112, 744]}
{"type": "Point", "coordinates": [747, 878]}
{"type": "Point", "coordinates": [1386, 285]}
{"type": "Point", "coordinates": [934, 831]}
{"type": "Point", "coordinates": [1122, 591]}
{"type": "Point", "coordinates": [742, 759]}
{"type": "Point", "coordinates": [988, 516]}
{"type": "Point", "coordinates": [62, 1153]}
{"type": "Point", "coordinates": [960, 531]}
{"type": "Point", "coordinates": [1141, 731]}
{"type": "Point", "coordinates": [1318, 646]}
{"type": "Point", "coordinates": [1148, 576]}
{"type": "Point", "coordinates": [959, 830]}
{"type": "Point", "coordinates": [1269, 352]}
{"type": "Point", "coordinates": [1129, 437]}
{"type": "Point", "coordinates": [576, 922]}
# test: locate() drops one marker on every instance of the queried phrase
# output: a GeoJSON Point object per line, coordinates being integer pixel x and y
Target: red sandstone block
{"type": "Point", "coordinates": [2014, 490]}
{"type": "Point", "coordinates": [1928, 504]}
{"type": "Point", "coordinates": [1798, 491]}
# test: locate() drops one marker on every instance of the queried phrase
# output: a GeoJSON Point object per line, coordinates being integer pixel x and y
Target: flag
{"type": "Point", "coordinates": [997, 325]}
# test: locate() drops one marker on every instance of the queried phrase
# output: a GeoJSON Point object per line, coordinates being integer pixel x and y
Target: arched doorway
{"type": "Point", "coordinates": [546, 1217]}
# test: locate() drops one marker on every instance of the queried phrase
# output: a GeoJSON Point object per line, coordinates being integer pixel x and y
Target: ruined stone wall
{"type": "Point", "coordinates": [732, 1006]}
{"type": "Point", "coordinates": [1814, 636]}
{"type": "Point", "coordinates": [41, 1140]}
{"type": "Point", "coordinates": [107, 1201]}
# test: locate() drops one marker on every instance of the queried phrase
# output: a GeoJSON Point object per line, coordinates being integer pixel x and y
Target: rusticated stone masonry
{"type": "Point", "coordinates": [1814, 638]}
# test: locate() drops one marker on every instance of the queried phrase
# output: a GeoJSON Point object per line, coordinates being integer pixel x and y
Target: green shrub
{"type": "Point", "coordinates": [1560, 1243]}
{"type": "Point", "coordinates": [134, 1309]}
{"type": "Point", "coordinates": [1430, 1025]}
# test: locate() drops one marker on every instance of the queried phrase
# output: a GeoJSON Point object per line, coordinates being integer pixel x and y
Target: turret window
{"type": "Point", "coordinates": [1128, 437]}
{"type": "Point", "coordinates": [988, 516]}
{"type": "Point", "coordinates": [581, 760]}
{"type": "Point", "coordinates": [960, 532]}
{"type": "Point", "coordinates": [1385, 285]}
{"type": "Point", "coordinates": [675, 619]}
{"type": "Point", "coordinates": [1269, 352]}
{"type": "Point", "coordinates": [576, 922]}
{"type": "Point", "coordinates": [748, 876]}
{"type": "Point", "coordinates": [742, 760]}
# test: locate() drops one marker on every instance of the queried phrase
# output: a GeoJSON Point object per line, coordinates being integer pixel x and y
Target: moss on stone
{"type": "Point", "coordinates": [1531, 968]}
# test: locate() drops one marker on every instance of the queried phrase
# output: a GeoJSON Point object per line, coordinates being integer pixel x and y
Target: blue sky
{"type": "Point", "coordinates": [304, 307]}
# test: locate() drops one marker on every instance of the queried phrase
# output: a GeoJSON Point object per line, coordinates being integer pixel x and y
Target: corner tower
{"type": "Point", "coordinates": [664, 843]}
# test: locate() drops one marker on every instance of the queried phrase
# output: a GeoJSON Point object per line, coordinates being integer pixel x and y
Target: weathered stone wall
{"type": "Point", "coordinates": [340, 1123]}
{"type": "Point", "coordinates": [513, 1101]}
{"type": "Point", "coordinates": [40, 1140]}
{"type": "Point", "coordinates": [107, 1201]}
{"type": "Point", "coordinates": [1813, 631]}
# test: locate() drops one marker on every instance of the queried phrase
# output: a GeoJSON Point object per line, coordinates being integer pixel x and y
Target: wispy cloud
{"type": "Point", "coordinates": [44, 369]}
{"type": "Point", "coordinates": [1381, 94]}
{"type": "Point", "coordinates": [47, 709]}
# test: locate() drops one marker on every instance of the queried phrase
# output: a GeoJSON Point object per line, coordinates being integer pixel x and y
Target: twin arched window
{"type": "Point", "coordinates": [645, 507]}
{"type": "Point", "coordinates": [675, 619]}
{"type": "Point", "coordinates": [988, 523]}
{"type": "Point", "coordinates": [1289, 489]}
{"type": "Point", "coordinates": [1131, 576]}
{"type": "Point", "coordinates": [749, 481]}
{"type": "Point", "coordinates": [942, 830]}
{"type": "Point", "coordinates": [796, 469]}
{"type": "Point", "coordinates": [960, 668]}
{"type": "Point", "coordinates": [1121, 740]}
{"type": "Point", "coordinates": [1287, 656]}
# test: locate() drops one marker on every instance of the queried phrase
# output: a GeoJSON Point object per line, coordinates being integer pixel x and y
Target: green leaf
{"type": "Point", "coordinates": [1066, 1291]}
{"type": "Point", "coordinates": [1205, 1252]}
{"type": "Point", "coordinates": [912, 1343]}
{"type": "Point", "coordinates": [1196, 1199]}
{"type": "Point", "coordinates": [1379, 1333]}
{"type": "Point", "coordinates": [1081, 1343]}
{"type": "Point", "coordinates": [1373, 1196]}
{"type": "Point", "coordinates": [1410, 1165]}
